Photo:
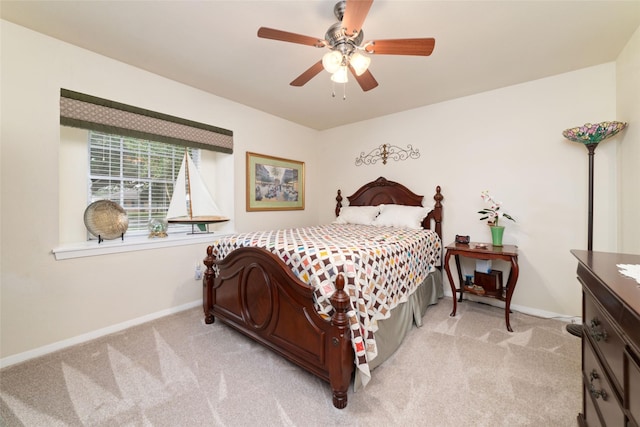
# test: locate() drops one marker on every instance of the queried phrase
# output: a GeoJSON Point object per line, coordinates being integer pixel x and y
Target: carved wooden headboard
{"type": "Point", "coordinates": [382, 191]}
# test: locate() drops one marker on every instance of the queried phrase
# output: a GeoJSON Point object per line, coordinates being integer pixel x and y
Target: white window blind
{"type": "Point", "coordinates": [137, 174]}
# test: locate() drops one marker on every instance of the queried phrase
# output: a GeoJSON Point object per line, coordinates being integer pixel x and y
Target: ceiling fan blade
{"type": "Point", "coordinates": [355, 13]}
{"type": "Point", "coordinates": [285, 36]}
{"type": "Point", "coordinates": [303, 78]}
{"type": "Point", "coordinates": [365, 80]}
{"type": "Point", "coordinates": [420, 47]}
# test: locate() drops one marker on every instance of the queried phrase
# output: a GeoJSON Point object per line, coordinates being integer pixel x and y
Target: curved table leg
{"type": "Point", "coordinates": [460, 282]}
{"type": "Point", "coordinates": [451, 283]}
{"type": "Point", "coordinates": [511, 284]}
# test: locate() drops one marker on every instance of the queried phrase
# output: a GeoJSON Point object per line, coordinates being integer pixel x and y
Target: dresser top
{"type": "Point", "coordinates": [604, 265]}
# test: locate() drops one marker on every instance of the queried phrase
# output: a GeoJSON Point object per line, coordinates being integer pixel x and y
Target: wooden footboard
{"type": "Point", "coordinates": [255, 293]}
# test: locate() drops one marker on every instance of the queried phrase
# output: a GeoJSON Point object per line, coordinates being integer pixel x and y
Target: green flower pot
{"type": "Point", "coordinates": [496, 234]}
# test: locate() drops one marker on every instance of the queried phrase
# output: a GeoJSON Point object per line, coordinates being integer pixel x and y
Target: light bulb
{"type": "Point", "coordinates": [340, 76]}
{"type": "Point", "coordinates": [331, 61]}
{"type": "Point", "coordinates": [360, 63]}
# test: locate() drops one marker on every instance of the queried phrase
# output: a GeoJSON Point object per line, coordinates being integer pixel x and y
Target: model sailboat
{"type": "Point", "coordinates": [191, 202]}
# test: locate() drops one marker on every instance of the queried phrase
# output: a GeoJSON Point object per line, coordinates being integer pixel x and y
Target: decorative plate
{"type": "Point", "coordinates": [593, 133]}
{"type": "Point", "coordinates": [106, 219]}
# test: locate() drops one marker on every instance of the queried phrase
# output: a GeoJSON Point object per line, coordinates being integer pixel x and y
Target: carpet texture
{"type": "Point", "coordinates": [177, 371]}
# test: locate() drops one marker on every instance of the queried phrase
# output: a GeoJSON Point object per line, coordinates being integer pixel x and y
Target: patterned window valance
{"type": "Point", "coordinates": [89, 112]}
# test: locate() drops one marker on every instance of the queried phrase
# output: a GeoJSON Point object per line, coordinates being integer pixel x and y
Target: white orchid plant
{"type": "Point", "coordinates": [493, 213]}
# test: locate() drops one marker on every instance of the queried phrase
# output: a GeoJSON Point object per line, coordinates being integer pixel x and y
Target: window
{"type": "Point", "coordinates": [131, 155]}
{"type": "Point", "coordinates": [137, 174]}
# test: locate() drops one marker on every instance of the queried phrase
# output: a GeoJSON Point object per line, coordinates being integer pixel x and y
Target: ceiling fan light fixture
{"type": "Point", "coordinates": [331, 61]}
{"type": "Point", "coordinates": [347, 48]}
{"type": "Point", "coordinates": [360, 63]}
{"type": "Point", "coordinates": [340, 76]}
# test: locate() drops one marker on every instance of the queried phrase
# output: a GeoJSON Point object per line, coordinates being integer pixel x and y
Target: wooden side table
{"type": "Point", "coordinates": [487, 251]}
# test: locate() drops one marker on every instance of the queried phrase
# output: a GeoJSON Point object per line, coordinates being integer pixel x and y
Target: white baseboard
{"type": "Point", "coordinates": [50, 348]}
{"type": "Point", "coordinates": [524, 309]}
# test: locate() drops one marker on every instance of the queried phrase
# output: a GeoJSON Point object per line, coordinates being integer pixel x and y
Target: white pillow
{"type": "Point", "coordinates": [358, 215]}
{"type": "Point", "coordinates": [401, 216]}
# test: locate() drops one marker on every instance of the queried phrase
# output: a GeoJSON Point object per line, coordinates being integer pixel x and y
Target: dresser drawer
{"type": "Point", "coordinates": [590, 416]}
{"type": "Point", "coordinates": [600, 390]}
{"type": "Point", "coordinates": [632, 396]}
{"type": "Point", "coordinates": [605, 337]}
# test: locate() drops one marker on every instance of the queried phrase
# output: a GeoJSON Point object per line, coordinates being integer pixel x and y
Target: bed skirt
{"type": "Point", "coordinates": [392, 331]}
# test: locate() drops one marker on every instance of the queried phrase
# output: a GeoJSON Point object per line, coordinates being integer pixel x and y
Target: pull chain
{"type": "Point", "coordinates": [344, 90]}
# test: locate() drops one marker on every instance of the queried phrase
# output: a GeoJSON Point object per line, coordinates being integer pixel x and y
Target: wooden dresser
{"type": "Point", "coordinates": [611, 340]}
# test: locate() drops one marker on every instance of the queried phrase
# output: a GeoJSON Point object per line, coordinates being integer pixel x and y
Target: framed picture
{"type": "Point", "coordinates": [274, 184]}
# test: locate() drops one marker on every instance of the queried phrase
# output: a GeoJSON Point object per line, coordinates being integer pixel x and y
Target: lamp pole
{"type": "Point", "coordinates": [573, 329]}
{"type": "Point", "coordinates": [592, 152]}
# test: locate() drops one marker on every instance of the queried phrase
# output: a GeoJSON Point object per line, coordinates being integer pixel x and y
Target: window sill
{"type": "Point", "coordinates": [131, 244]}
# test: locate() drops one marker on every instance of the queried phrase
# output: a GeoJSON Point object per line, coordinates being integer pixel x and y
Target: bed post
{"type": "Point", "coordinates": [338, 203]}
{"type": "Point", "coordinates": [207, 286]}
{"type": "Point", "coordinates": [437, 216]}
{"type": "Point", "coordinates": [341, 362]}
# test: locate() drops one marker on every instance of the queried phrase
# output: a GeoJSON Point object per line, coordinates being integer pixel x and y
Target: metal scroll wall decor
{"type": "Point", "coordinates": [386, 151]}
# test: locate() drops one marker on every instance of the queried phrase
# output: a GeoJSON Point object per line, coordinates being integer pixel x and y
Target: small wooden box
{"type": "Point", "coordinates": [491, 282]}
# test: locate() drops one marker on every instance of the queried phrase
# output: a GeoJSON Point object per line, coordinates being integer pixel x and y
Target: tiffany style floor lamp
{"type": "Point", "coordinates": [591, 135]}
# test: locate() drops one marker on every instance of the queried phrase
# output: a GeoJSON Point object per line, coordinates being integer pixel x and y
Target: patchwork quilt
{"type": "Point", "coordinates": [382, 267]}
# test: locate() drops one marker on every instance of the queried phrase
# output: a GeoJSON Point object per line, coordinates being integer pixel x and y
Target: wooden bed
{"type": "Point", "coordinates": [256, 293]}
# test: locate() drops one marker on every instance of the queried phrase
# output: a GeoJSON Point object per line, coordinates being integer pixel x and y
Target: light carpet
{"type": "Point", "coordinates": [466, 370]}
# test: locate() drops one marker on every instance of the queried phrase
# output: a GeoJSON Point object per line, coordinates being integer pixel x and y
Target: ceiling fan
{"type": "Point", "coordinates": [346, 48]}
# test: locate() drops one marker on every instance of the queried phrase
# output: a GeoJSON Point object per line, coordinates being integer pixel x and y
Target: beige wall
{"type": "Point", "coordinates": [628, 110]}
{"type": "Point", "coordinates": [508, 141]}
{"type": "Point", "coordinates": [44, 301]}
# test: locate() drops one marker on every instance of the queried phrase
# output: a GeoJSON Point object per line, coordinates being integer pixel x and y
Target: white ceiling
{"type": "Point", "coordinates": [212, 45]}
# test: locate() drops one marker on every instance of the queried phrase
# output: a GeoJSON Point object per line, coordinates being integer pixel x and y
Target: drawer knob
{"type": "Point", "coordinates": [597, 332]}
{"type": "Point", "coordinates": [592, 389]}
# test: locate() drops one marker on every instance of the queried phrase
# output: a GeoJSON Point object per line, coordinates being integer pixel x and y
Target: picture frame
{"type": "Point", "coordinates": [274, 183]}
